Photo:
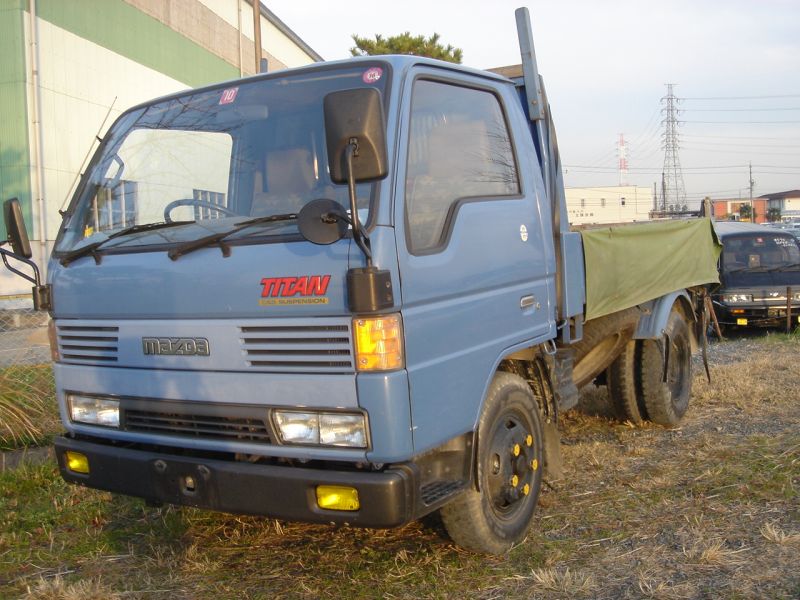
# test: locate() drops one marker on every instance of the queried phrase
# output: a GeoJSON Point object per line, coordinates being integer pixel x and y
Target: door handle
{"type": "Point", "coordinates": [528, 301]}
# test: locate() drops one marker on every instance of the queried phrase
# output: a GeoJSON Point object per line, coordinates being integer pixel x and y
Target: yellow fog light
{"type": "Point", "coordinates": [77, 462]}
{"type": "Point", "coordinates": [379, 343]}
{"type": "Point", "coordinates": [337, 497]}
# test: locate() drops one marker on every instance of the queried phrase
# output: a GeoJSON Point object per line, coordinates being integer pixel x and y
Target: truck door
{"type": "Point", "coordinates": [477, 271]}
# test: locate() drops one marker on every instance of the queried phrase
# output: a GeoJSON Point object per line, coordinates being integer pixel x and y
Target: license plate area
{"type": "Point", "coordinates": [178, 482]}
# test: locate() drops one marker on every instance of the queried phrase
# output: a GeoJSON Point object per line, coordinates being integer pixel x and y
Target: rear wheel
{"type": "Point", "coordinates": [509, 465]}
{"type": "Point", "coordinates": [621, 383]}
{"type": "Point", "coordinates": [666, 395]}
{"type": "Point", "coordinates": [603, 338]}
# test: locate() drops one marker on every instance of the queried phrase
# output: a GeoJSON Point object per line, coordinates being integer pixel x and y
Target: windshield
{"type": "Point", "coordinates": [204, 162]}
{"type": "Point", "coordinates": [759, 252]}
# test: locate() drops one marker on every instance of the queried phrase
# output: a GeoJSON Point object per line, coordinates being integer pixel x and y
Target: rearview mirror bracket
{"type": "Point", "coordinates": [21, 251]}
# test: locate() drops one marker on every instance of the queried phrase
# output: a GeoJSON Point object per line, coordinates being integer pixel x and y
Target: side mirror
{"type": "Point", "coordinates": [15, 226]}
{"type": "Point", "coordinates": [355, 117]}
{"type": "Point", "coordinates": [322, 221]}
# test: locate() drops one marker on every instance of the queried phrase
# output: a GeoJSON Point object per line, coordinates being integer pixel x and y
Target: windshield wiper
{"type": "Point", "coordinates": [787, 267]}
{"type": "Point", "coordinates": [94, 246]}
{"type": "Point", "coordinates": [218, 238]}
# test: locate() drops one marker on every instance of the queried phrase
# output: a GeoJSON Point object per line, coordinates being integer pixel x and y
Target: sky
{"type": "Point", "coordinates": [735, 65]}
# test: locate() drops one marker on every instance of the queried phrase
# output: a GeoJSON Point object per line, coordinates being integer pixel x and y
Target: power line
{"type": "Point", "coordinates": [741, 122]}
{"type": "Point", "coordinates": [741, 97]}
{"type": "Point", "coordinates": [739, 137]}
{"type": "Point", "coordinates": [673, 191]}
{"type": "Point", "coordinates": [683, 110]}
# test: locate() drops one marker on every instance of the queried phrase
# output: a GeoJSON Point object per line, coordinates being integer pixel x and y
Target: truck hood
{"type": "Point", "coordinates": [255, 281]}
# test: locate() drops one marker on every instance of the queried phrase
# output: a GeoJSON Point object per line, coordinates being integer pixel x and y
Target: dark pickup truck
{"type": "Point", "coordinates": [759, 274]}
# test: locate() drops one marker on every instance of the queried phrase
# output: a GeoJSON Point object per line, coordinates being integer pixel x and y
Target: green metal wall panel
{"type": "Point", "coordinates": [15, 163]}
{"type": "Point", "coordinates": [129, 32]}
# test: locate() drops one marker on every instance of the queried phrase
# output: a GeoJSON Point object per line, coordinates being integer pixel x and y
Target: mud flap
{"type": "Point", "coordinates": [553, 463]}
{"type": "Point", "coordinates": [565, 390]}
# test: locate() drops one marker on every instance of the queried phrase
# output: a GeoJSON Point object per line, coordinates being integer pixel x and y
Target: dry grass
{"type": "Point", "coordinates": [709, 510]}
{"type": "Point", "coordinates": [58, 589]}
{"type": "Point", "coordinates": [28, 412]}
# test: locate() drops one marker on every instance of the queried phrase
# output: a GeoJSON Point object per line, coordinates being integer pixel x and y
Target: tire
{"type": "Point", "coordinates": [621, 382]}
{"type": "Point", "coordinates": [666, 401]}
{"type": "Point", "coordinates": [603, 340]}
{"type": "Point", "coordinates": [509, 465]}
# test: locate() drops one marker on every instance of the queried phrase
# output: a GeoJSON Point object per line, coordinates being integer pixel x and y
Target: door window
{"type": "Point", "coordinates": [459, 148]}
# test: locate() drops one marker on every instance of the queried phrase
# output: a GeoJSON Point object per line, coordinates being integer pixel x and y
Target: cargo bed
{"type": "Point", "coordinates": [633, 263]}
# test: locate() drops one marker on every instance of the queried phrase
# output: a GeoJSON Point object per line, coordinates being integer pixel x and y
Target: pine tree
{"type": "Point", "coordinates": [405, 43]}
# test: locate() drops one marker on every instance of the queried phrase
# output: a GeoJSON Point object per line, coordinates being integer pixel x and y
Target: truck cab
{"type": "Point", "coordinates": [247, 318]}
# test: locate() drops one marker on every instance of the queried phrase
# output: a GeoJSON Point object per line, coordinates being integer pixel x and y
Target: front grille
{"type": "Point", "coordinates": [87, 344]}
{"type": "Point", "coordinates": [319, 348]}
{"type": "Point", "coordinates": [196, 420]}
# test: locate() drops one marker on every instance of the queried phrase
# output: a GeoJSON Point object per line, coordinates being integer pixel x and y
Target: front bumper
{"type": "Point", "coordinates": [387, 498]}
{"type": "Point", "coordinates": [755, 315]}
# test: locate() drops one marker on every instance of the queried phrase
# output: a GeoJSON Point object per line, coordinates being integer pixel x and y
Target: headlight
{"type": "Point", "coordinates": [320, 428]}
{"type": "Point", "coordinates": [734, 298]}
{"type": "Point", "coordinates": [796, 296]}
{"type": "Point", "coordinates": [93, 411]}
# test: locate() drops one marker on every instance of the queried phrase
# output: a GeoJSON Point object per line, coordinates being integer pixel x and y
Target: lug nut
{"type": "Point", "coordinates": [526, 489]}
{"type": "Point", "coordinates": [516, 450]}
{"type": "Point", "coordinates": [534, 464]}
{"type": "Point", "coordinates": [529, 440]}
{"type": "Point", "coordinates": [514, 481]}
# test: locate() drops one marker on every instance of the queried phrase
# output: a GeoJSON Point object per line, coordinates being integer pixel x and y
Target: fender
{"type": "Point", "coordinates": [655, 314]}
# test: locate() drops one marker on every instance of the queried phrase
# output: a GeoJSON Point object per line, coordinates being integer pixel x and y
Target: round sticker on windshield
{"type": "Point", "coordinates": [372, 75]}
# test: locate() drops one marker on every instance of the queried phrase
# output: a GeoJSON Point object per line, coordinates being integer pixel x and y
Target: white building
{"type": "Point", "coordinates": [613, 204]}
{"type": "Point", "coordinates": [67, 73]}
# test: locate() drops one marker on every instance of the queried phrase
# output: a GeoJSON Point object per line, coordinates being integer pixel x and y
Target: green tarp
{"type": "Point", "coordinates": [630, 264]}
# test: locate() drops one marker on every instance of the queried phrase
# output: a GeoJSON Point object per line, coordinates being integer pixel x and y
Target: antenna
{"type": "Point", "coordinates": [674, 192]}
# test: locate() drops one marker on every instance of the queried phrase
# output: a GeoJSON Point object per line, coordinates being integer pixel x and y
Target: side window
{"type": "Point", "coordinates": [459, 147]}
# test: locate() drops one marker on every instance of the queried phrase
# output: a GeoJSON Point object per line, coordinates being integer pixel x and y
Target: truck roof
{"type": "Point", "coordinates": [732, 228]}
{"type": "Point", "coordinates": [397, 62]}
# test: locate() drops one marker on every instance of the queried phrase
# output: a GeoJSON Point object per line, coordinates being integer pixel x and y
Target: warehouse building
{"type": "Point", "coordinates": [608, 204]}
{"type": "Point", "coordinates": [67, 72]}
{"type": "Point", "coordinates": [779, 206]}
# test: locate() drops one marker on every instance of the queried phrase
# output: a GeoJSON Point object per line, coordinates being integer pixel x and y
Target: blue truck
{"type": "Point", "coordinates": [348, 293]}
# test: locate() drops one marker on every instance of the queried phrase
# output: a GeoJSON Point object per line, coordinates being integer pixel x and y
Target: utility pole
{"type": "Point", "coordinates": [752, 184]}
{"type": "Point", "coordinates": [674, 191]}
{"type": "Point", "coordinates": [622, 152]}
{"type": "Point", "coordinates": [655, 196]}
{"type": "Point", "coordinates": [257, 32]}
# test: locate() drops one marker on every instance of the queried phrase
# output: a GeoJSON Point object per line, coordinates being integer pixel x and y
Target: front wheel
{"type": "Point", "coordinates": [509, 458]}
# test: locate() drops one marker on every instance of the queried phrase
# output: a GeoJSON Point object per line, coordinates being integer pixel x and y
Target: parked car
{"type": "Point", "coordinates": [758, 267]}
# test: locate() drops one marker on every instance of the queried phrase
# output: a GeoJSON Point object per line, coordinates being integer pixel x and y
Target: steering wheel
{"type": "Point", "coordinates": [195, 202]}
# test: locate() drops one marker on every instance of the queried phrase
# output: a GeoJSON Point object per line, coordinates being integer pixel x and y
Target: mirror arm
{"type": "Point", "coordinates": [42, 300]}
{"type": "Point", "coordinates": [358, 235]}
{"type": "Point", "coordinates": [34, 280]}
